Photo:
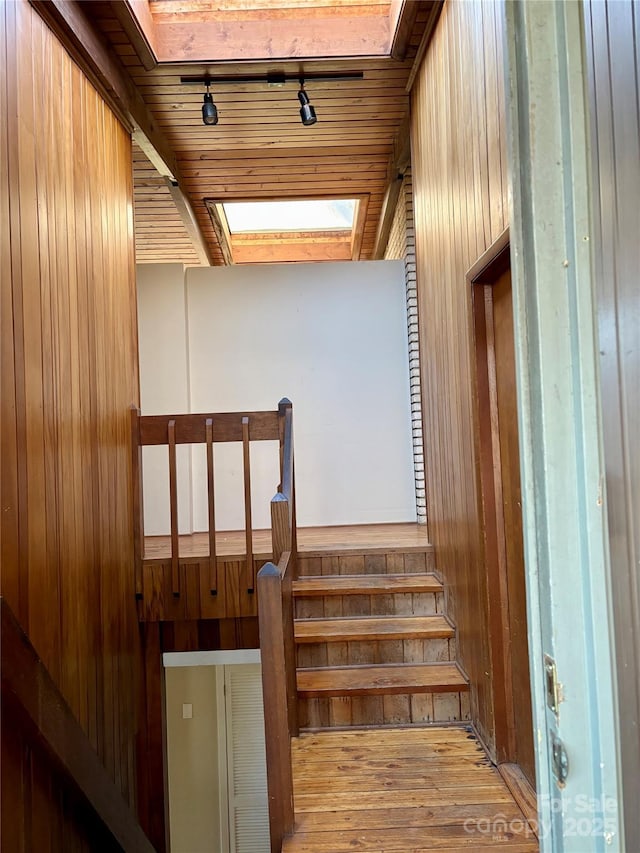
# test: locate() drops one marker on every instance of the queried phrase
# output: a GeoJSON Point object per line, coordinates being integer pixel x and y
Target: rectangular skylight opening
{"type": "Point", "coordinates": [251, 217]}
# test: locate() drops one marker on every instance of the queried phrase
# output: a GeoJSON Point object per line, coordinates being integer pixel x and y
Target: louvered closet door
{"type": "Point", "coordinates": [246, 763]}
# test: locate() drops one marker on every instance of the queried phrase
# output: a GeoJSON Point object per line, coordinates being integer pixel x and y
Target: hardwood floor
{"type": "Point", "coordinates": [361, 538]}
{"type": "Point", "coordinates": [401, 790]}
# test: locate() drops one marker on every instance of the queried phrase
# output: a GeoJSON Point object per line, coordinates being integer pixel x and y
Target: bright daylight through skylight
{"type": "Point", "coordinates": [269, 216]}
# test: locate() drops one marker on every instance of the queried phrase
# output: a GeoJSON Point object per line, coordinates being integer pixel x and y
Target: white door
{"type": "Point", "coordinates": [242, 733]}
{"type": "Point", "coordinates": [564, 500]}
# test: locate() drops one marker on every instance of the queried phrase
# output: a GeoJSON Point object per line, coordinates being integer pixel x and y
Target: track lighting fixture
{"type": "Point", "coordinates": [209, 109]}
{"type": "Point", "coordinates": [272, 79]}
{"type": "Point", "coordinates": [307, 112]}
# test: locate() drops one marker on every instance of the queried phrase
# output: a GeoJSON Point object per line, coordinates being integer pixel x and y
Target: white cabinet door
{"type": "Point", "coordinates": [246, 762]}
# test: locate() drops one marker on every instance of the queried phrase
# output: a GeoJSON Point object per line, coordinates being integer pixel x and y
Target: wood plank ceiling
{"type": "Point", "coordinates": [260, 150]}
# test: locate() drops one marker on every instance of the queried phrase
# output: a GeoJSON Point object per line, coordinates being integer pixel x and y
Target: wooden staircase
{"type": "Point", "coordinates": [374, 646]}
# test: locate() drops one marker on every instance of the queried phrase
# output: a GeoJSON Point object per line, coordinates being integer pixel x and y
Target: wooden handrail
{"type": "Point", "coordinates": [207, 429]}
{"type": "Point", "coordinates": [277, 644]}
{"type": "Point", "coordinates": [34, 703]}
{"type": "Point", "coordinates": [275, 615]}
{"type": "Point", "coordinates": [192, 429]}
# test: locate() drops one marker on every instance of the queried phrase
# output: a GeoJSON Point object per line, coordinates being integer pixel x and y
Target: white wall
{"type": "Point", "coordinates": [192, 759]}
{"type": "Point", "coordinates": [164, 387]}
{"type": "Point", "coordinates": [332, 338]}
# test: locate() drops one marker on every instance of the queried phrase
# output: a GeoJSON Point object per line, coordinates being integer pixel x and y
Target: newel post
{"type": "Point", "coordinates": [273, 641]}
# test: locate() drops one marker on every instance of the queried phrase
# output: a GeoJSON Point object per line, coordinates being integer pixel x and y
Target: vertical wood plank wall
{"type": "Point", "coordinates": [69, 374]}
{"type": "Point", "coordinates": [613, 45]}
{"type": "Point", "coordinates": [460, 197]}
{"type": "Point", "coordinates": [56, 820]}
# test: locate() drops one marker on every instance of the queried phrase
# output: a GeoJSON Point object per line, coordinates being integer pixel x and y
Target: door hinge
{"type": "Point", "coordinates": [553, 688]}
{"type": "Point", "coordinates": [559, 761]}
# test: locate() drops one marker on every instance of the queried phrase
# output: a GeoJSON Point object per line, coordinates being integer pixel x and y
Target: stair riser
{"type": "Point", "coordinates": [384, 710]}
{"type": "Point", "coordinates": [376, 651]}
{"type": "Point", "coordinates": [375, 564]}
{"type": "Point", "coordinates": [398, 604]}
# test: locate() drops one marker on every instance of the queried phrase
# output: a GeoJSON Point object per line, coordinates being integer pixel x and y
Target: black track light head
{"type": "Point", "coordinates": [209, 109]}
{"type": "Point", "coordinates": [307, 112]}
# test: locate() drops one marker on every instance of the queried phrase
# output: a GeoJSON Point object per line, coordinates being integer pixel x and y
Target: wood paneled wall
{"type": "Point", "coordinates": [69, 374]}
{"type": "Point", "coordinates": [613, 41]}
{"type": "Point", "coordinates": [460, 195]}
{"type": "Point", "coordinates": [51, 818]}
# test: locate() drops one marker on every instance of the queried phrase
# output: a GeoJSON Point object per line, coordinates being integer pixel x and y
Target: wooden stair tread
{"type": "Point", "coordinates": [323, 585]}
{"type": "Point", "coordinates": [381, 679]}
{"type": "Point", "coordinates": [342, 629]}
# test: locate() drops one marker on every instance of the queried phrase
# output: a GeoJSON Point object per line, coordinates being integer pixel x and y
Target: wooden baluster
{"type": "Point", "coordinates": [250, 573]}
{"type": "Point", "coordinates": [213, 561]}
{"type": "Point", "coordinates": [173, 503]}
{"type": "Point", "coordinates": [138, 515]}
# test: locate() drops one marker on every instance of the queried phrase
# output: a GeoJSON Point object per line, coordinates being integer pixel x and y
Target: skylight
{"type": "Point", "coordinates": [277, 216]}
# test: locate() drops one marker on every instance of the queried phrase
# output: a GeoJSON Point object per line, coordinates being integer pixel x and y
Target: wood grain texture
{"type": "Point", "coordinates": [523, 793]}
{"type": "Point", "coordinates": [69, 319]}
{"type": "Point", "coordinates": [173, 507]}
{"type": "Point", "coordinates": [232, 601]}
{"type": "Point", "coordinates": [509, 457]}
{"type": "Point", "coordinates": [278, 685]}
{"type": "Point", "coordinates": [401, 789]}
{"type": "Point", "coordinates": [260, 149]}
{"type": "Point", "coordinates": [38, 711]}
{"type": "Point", "coordinates": [152, 199]}
{"type": "Point", "coordinates": [459, 155]}
{"type": "Point", "coordinates": [343, 629]}
{"type": "Point", "coordinates": [153, 800]}
{"type": "Point", "coordinates": [41, 812]}
{"type": "Point", "coordinates": [408, 678]}
{"type": "Point", "coordinates": [192, 428]}
{"type": "Point", "coordinates": [613, 42]}
{"type": "Point", "coordinates": [381, 584]}
{"type": "Point", "coordinates": [367, 541]}
{"type": "Point", "coordinates": [183, 32]}
{"type": "Point", "coordinates": [356, 631]}
{"type": "Point", "coordinates": [211, 506]}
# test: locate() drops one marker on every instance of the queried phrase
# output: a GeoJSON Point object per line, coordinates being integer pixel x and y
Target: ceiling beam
{"type": "Point", "coordinates": [137, 22]}
{"type": "Point", "coordinates": [72, 24]}
{"type": "Point", "coordinates": [221, 229]}
{"type": "Point", "coordinates": [399, 162]}
{"type": "Point", "coordinates": [403, 19]}
{"type": "Point", "coordinates": [183, 206]}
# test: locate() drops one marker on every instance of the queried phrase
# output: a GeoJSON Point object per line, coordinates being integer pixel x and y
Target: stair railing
{"type": "Point", "coordinates": [207, 429]}
{"type": "Point", "coordinates": [275, 614]}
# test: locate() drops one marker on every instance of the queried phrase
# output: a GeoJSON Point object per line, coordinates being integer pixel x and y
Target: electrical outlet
{"type": "Point", "coordinates": [187, 711]}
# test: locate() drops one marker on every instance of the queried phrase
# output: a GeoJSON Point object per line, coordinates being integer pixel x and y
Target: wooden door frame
{"type": "Point", "coordinates": [480, 279]}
